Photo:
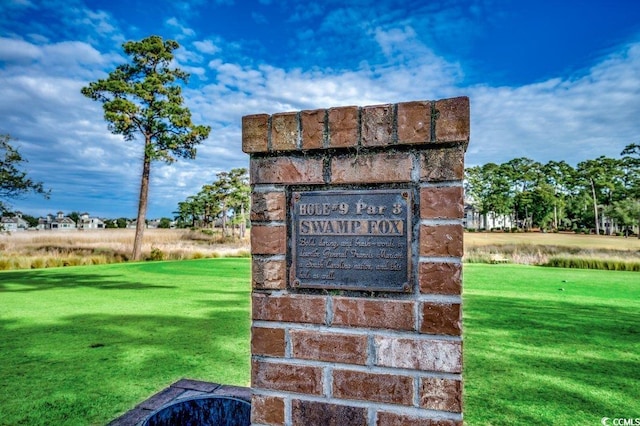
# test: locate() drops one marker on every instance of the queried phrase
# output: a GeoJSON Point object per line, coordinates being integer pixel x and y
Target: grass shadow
{"type": "Point", "coordinates": [48, 280]}
{"type": "Point", "coordinates": [568, 363]}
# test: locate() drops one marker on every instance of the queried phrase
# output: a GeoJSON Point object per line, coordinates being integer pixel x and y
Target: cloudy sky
{"type": "Point", "coordinates": [548, 80]}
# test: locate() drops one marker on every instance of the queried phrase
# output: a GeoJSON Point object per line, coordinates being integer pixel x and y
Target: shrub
{"type": "Point", "coordinates": [156, 254]}
{"type": "Point", "coordinates": [586, 263]}
{"type": "Point", "coordinates": [5, 264]}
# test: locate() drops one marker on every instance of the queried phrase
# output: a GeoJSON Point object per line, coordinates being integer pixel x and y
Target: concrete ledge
{"type": "Point", "coordinates": [184, 388]}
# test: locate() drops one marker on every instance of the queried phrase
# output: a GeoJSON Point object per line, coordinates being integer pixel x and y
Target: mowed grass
{"type": "Point", "coordinates": [547, 346]}
{"type": "Point", "coordinates": [81, 345]}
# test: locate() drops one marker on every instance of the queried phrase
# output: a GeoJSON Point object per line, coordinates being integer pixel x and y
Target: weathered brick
{"type": "Point", "coordinates": [266, 206]}
{"type": "Point", "coordinates": [379, 313]}
{"type": "Point", "coordinates": [372, 168]}
{"type": "Point", "coordinates": [441, 240]}
{"type": "Point", "coordinates": [442, 202]}
{"type": "Point", "coordinates": [286, 170]}
{"type": "Point", "coordinates": [267, 341]}
{"type": "Point", "coordinates": [329, 347]}
{"type": "Point", "coordinates": [268, 239]}
{"type": "Point", "coordinates": [390, 388]}
{"type": "Point", "coordinates": [441, 394]}
{"type": "Point", "coordinates": [441, 318]}
{"type": "Point", "coordinates": [286, 377]}
{"type": "Point", "coordinates": [440, 278]}
{"type": "Point", "coordinates": [426, 355]}
{"type": "Point", "coordinates": [393, 419]}
{"type": "Point", "coordinates": [268, 410]}
{"type": "Point", "coordinates": [437, 165]}
{"type": "Point", "coordinates": [414, 122]}
{"type": "Point", "coordinates": [255, 133]}
{"type": "Point", "coordinates": [313, 129]}
{"type": "Point", "coordinates": [284, 131]}
{"type": "Point", "coordinates": [307, 413]}
{"type": "Point", "coordinates": [452, 120]}
{"type": "Point", "coordinates": [343, 127]}
{"type": "Point", "coordinates": [377, 125]}
{"type": "Point", "coordinates": [268, 274]}
{"type": "Point", "coordinates": [289, 308]}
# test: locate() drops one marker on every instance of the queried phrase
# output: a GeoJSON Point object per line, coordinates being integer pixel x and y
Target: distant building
{"type": "Point", "coordinates": [13, 223]}
{"type": "Point", "coordinates": [58, 223]}
{"type": "Point", "coordinates": [474, 220]}
{"type": "Point", "coordinates": [87, 222]}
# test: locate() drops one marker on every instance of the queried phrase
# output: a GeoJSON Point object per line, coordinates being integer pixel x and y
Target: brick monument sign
{"type": "Point", "coordinates": [356, 242]}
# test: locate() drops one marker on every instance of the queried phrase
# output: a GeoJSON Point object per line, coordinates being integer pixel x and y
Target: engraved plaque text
{"type": "Point", "coordinates": [351, 239]}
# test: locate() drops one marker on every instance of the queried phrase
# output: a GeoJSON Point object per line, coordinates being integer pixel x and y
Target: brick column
{"type": "Point", "coordinates": [350, 356]}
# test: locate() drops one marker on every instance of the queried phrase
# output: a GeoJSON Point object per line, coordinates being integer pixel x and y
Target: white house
{"type": "Point", "coordinates": [58, 223]}
{"type": "Point", "coordinates": [474, 220]}
{"type": "Point", "coordinates": [87, 222]}
{"type": "Point", "coordinates": [13, 224]}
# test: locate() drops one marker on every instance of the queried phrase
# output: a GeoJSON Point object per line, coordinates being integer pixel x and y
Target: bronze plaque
{"type": "Point", "coordinates": [351, 240]}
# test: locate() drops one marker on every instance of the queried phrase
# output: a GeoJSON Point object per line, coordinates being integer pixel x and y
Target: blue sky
{"type": "Point", "coordinates": [548, 80]}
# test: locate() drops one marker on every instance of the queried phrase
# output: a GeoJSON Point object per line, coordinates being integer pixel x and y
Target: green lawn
{"type": "Point", "coordinates": [80, 345]}
{"type": "Point", "coordinates": [546, 346]}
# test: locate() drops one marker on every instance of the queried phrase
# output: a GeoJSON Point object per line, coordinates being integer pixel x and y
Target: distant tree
{"type": "Point", "coordinates": [226, 199]}
{"type": "Point", "coordinates": [75, 216]}
{"type": "Point", "coordinates": [631, 168]}
{"type": "Point", "coordinates": [188, 213]}
{"type": "Point", "coordinates": [239, 198]}
{"type": "Point", "coordinates": [122, 222]}
{"type": "Point", "coordinates": [14, 181]}
{"type": "Point", "coordinates": [32, 221]}
{"type": "Point", "coordinates": [144, 99]}
{"type": "Point", "coordinates": [626, 213]}
{"type": "Point", "coordinates": [489, 188]}
{"type": "Point", "coordinates": [603, 178]}
{"type": "Point", "coordinates": [165, 223]}
{"type": "Point", "coordinates": [560, 176]}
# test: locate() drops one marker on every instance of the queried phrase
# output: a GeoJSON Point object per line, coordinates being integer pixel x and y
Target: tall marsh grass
{"type": "Point", "coordinates": [559, 250]}
{"type": "Point", "coordinates": [47, 249]}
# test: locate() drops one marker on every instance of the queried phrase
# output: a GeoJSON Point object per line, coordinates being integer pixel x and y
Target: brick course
{"type": "Point", "coordinates": [307, 413]}
{"type": "Point", "coordinates": [267, 341]}
{"type": "Point", "coordinates": [377, 313]}
{"type": "Point", "coordinates": [268, 410]}
{"type": "Point", "coordinates": [440, 278]}
{"type": "Point", "coordinates": [441, 318]}
{"type": "Point", "coordinates": [268, 239]}
{"type": "Point", "coordinates": [371, 168]}
{"type": "Point", "coordinates": [268, 206]}
{"type": "Point", "coordinates": [389, 388]}
{"type": "Point", "coordinates": [441, 240]}
{"type": "Point", "coordinates": [392, 419]}
{"type": "Point", "coordinates": [329, 347]}
{"type": "Point", "coordinates": [289, 308]}
{"type": "Point", "coordinates": [284, 132]}
{"type": "Point", "coordinates": [442, 202]}
{"type": "Point", "coordinates": [287, 377]}
{"type": "Point", "coordinates": [441, 394]}
{"type": "Point", "coordinates": [268, 274]}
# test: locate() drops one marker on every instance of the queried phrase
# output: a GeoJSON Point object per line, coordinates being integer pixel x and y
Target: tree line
{"type": "Point", "coordinates": [224, 203]}
{"type": "Point", "coordinates": [602, 195]}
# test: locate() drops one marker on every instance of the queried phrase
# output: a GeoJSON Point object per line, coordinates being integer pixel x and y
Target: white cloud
{"type": "Point", "coordinates": [183, 31]}
{"type": "Point", "coordinates": [16, 50]}
{"type": "Point", "coordinates": [206, 46]}
{"type": "Point", "coordinates": [561, 119]}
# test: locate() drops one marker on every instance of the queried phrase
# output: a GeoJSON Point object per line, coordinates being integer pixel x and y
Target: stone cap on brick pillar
{"type": "Point", "coordinates": [443, 121]}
